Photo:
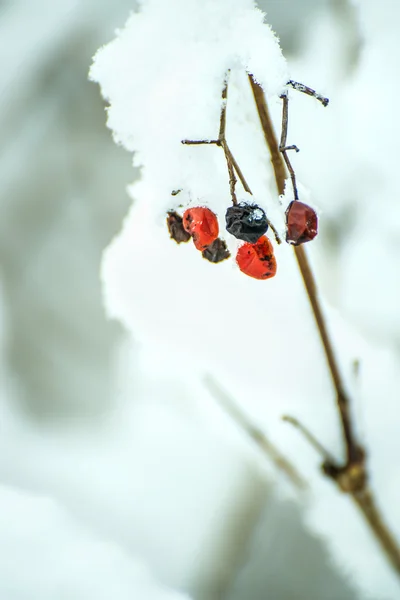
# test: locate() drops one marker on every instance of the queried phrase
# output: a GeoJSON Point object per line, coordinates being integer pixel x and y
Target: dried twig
{"type": "Point", "coordinates": [221, 141]}
{"type": "Point", "coordinates": [352, 476]}
{"type": "Point", "coordinates": [231, 163]}
{"type": "Point", "coordinates": [255, 433]}
{"type": "Point", "coordinates": [300, 87]}
{"type": "Point", "coordinates": [283, 148]}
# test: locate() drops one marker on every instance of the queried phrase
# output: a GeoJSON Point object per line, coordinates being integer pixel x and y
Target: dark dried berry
{"type": "Point", "coordinates": [176, 229]}
{"type": "Point", "coordinates": [301, 223]}
{"type": "Point", "coordinates": [217, 251]}
{"type": "Point", "coordinates": [247, 222]}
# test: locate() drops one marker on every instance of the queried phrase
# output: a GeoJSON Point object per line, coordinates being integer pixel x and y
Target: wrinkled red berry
{"type": "Point", "coordinates": [202, 224]}
{"type": "Point", "coordinates": [176, 229]}
{"type": "Point", "coordinates": [217, 251]}
{"type": "Point", "coordinates": [257, 260]}
{"type": "Point", "coordinates": [301, 223]}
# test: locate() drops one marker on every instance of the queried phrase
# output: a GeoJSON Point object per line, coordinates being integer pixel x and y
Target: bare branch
{"type": "Point", "coordinates": [352, 477]}
{"type": "Point", "coordinates": [300, 87]}
{"type": "Point", "coordinates": [255, 433]}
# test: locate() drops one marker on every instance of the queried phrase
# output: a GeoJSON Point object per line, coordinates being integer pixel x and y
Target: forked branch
{"type": "Point", "coordinates": [231, 163]}
{"type": "Point", "coordinates": [352, 476]}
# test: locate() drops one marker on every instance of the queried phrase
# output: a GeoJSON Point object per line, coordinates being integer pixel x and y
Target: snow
{"type": "Point", "coordinates": [155, 492]}
{"type": "Point", "coordinates": [258, 339]}
{"type": "Point", "coordinates": [62, 560]}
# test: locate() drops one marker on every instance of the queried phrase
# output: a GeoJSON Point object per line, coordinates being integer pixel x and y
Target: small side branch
{"type": "Point", "coordinates": [283, 148]}
{"type": "Point", "coordinates": [300, 87]}
{"type": "Point", "coordinates": [231, 163]}
{"type": "Point", "coordinates": [269, 134]}
{"type": "Point", "coordinates": [255, 433]}
{"type": "Point", "coordinates": [310, 437]}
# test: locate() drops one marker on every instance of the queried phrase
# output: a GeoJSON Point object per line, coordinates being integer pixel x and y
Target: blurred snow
{"type": "Point", "coordinates": [165, 294]}
{"type": "Point", "coordinates": [62, 560]}
{"type": "Point", "coordinates": [119, 475]}
{"type": "Point", "coordinates": [62, 199]}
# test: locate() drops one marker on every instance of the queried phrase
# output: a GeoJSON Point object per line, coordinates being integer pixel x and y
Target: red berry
{"type": "Point", "coordinates": [257, 260]}
{"type": "Point", "coordinates": [202, 224]}
{"type": "Point", "coordinates": [301, 223]}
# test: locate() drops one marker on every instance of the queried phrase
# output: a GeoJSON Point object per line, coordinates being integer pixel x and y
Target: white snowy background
{"type": "Point", "coordinates": [120, 476]}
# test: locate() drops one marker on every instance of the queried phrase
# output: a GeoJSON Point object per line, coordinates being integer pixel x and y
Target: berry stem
{"type": "Point", "coordinates": [352, 476]}
{"type": "Point", "coordinates": [310, 437]}
{"type": "Point", "coordinates": [231, 162]}
{"type": "Point", "coordinates": [283, 148]}
{"type": "Point", "coordinates": [300, 87]}
{"type": "Point", "coordinates": [199, 142]}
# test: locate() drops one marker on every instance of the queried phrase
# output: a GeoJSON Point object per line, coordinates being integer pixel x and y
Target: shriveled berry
{"type": "Point", "coordinates": [202, 224]}
{"type": "Point", "coordinates": [301, 223]}
{"type": "Point", "coordinates": [247, 222]}
{"type": "Point", "coordinates": [257, 260]}
{"type": "Point", "coordinates": [217, 251]}
{"type": "Point", "coordinates": [176, 229]}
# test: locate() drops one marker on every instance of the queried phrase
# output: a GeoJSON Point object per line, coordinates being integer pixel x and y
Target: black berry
{"type": "Point", "coordinates": [247, 222]}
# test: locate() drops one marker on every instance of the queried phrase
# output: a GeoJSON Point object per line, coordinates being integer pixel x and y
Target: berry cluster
{"type": "Point", "coordinates": [247, 222]}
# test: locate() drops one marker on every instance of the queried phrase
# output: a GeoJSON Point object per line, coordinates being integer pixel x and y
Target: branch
{"type": "Point", "coordinates": [231, 163]}
{"type": "Point", "coordinates": [283, 148]}
{"type": "Point", "coordinates": [300, 87]}
{"type": "Point", "coordinates": [256, 434]}
{"type": "Point", "coordinates": [352, 477]}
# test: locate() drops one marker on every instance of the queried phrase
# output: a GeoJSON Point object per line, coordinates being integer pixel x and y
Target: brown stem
{"type": "Point", "coordinates": [352, 448]}
{"type": "Point", "coordinates": [367, 504]}
{"type": "Point", "coordinates": [269, 134]}
{"type": "Point", "coordinates": [310, 437]}
{"type": "Point", "coordinates": [238, 170]}
{"type": "Point", "coordinates": [305, 270]}
{"type": "Point", "coordinates": [199, 142]}
{"type": "Point", "coordinates": [231, 171]}
{"type": "Point", "coordinates": [231, 162]}
{"type": "Point", "coordinates": [256, 434]}
{"type": "Point", "coordinates": [300, 87]}
{"type": "Point", "coordinates": [283, 148]}
{"type": "Point", "coordinates": [352, 476]}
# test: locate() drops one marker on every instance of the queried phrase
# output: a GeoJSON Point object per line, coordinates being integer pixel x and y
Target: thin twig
{"type": "Point", "coordinates": [199, 142]}
{"type": "Point", "coordinates": [224, 144]}
{"type": "Point", "coordinates": [238, 170]}
{"type": "Point", "coordinates": [300, 87]}
{"type": "Point", "coordinates": [255, 433]}
{"type": "Point", "coordinates": [231, 162]}
{"type": "Point", "coordinates": [283, 148]}
{"type": "Point", "coordinates": [221, 141]}
{"type": "Point", "coordinates": [353, 449]}
{"type": "Point", "coordinates": [269, 135]}
{"type": "Point", "coordinates": [222, 120]}
{"type": "Point", "coordinates": [310, 437]}
{"type": "Point", "coordinates": [352, 476]}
